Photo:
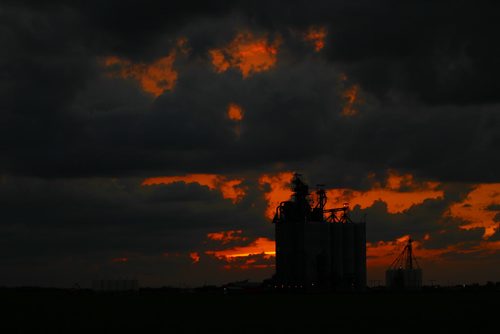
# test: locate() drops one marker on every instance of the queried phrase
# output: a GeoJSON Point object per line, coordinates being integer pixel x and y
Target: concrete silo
{"type": "Point", "coordinates": [318, 247]}
{"type": "Point", "coordinates": [404, 272]}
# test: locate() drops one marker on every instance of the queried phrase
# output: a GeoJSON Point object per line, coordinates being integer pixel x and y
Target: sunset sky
{"type": "Point", "coordinates": [154, 139]}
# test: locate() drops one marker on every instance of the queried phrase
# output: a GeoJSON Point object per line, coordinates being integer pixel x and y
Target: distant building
{"type": "Point", "coordinates": [115, 285]}
{"type": "Point", "coordinates": [404, 272]}
{"type": "Point", "coordinates": [318, 247]}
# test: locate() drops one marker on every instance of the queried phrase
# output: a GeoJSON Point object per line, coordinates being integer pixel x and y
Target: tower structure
{"type": "Point", "coordinates": [318, 247]}
{"type": "Point", "coordinates": [404, 272]}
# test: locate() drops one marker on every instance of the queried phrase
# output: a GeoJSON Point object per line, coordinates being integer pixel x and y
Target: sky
{"type": "Point", "coordinates": [153, 139]}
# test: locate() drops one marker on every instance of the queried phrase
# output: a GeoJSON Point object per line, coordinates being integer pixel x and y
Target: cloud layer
{"type": "Point", "coordinates": [392, 106]}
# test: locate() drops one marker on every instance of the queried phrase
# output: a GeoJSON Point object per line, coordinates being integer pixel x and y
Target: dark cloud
{"type": "Point", "coordinates": [88, 220]}
{"type": "Point", "coordinates": [78, 117]}
{"type": "Point", "coordinates": [76, 143]}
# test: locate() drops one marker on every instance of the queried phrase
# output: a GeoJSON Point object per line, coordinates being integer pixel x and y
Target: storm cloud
{"type": "Point", "coordinates": [409, 88]}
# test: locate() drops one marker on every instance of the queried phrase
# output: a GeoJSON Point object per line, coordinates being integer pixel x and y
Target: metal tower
{"type": "Point", "coordinates": [406, 260]}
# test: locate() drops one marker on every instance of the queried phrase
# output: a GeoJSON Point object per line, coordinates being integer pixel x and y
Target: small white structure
{"type": "Point", "coordinates": [115, 285]}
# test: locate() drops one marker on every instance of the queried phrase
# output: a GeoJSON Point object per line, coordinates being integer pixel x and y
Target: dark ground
{"type": "Point", "coordinates": [64, 311]}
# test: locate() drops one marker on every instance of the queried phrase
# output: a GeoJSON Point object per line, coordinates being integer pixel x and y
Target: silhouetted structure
{"type": "Point", "coordinates": [404, 272]}
{"type": "Point", "coordinates": [318, 247]}
{"type": "Point", "coordinates": [115, 285]}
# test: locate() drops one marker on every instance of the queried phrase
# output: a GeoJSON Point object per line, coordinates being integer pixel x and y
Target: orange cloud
{"type": "Point", "coordinates": [119, 260]}
{"type": "Point", "coordinates": [399, 193]}
{"type": "Point", "coordinates": [195, 257]}
{"type": "Point", "coordinates": [230, 188]}
{"type": "Point", "coordinates": [259, 246]}
{"type": "Point", "coordinates": [316, 36]}
{"type": "Point", "coordinates": [234, 112]}
{"type": "Point", "coordinates": [209, 180]}
{"type": "Point", "coordinates": [154, 78]}
{"type": "Point", "coordinates": [219, 60]}
{"type": "Point", "coordinates": [247, 53]}
{"type": "Point", "coordinates": [226, 237]}
{"type": "Point", "coordinates": [474, 208]}
{"type": "Point", "coordinates": [279, 190]}
{"type": "Point", "coordinates": [350, 96]}
{"type": "Point", "coordinates": [259, 254]}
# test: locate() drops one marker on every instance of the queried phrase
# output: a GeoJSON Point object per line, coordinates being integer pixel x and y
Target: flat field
{"type": "Point", "coordinates": [64, 311]}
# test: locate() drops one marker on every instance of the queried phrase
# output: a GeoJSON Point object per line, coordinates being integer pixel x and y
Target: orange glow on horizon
{"type": "Point", "coordinates": [382, 254]}
{"type": "Point", "coordinates": [316, 36]}
{"type": "Point", "coordinates": [474, 208]}
{"type": "Point", "coordinates": [490, 246]}
{"type": "Point", "coordinates": [119, 260]}
{"type": "Point", "coordinates": [247, 53]}
{"type": "Point", "coordinates": [247, 263]}
{"type": "Point", "coordinates": [280, 191]}
{"type": "Point", "coordinates": [259, 246]}
{"type": "Point", "coordinates": [229, 188]}
{"type": "Point", "coordinates": [234, 112]}
{"type": "Point", "coordinates": [259, 254]}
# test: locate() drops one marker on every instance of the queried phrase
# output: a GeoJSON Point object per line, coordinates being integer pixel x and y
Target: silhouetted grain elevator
{"type": "Point", "coordinates": [404, 272]}
{"type": "Point", "coordinates": [318, 247]}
